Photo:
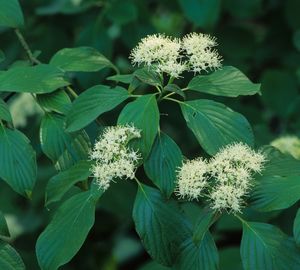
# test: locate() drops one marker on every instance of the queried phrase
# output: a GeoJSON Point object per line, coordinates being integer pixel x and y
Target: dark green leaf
{"type": "Point", "coordinates": [34, 79]}
{"type": "Point", "coordinates": [59, 184]}
{"type": "Point", "coordinates": [122, 12]}
{"type": "Point", "coordinates": [216, 125]}
{"type": "Point", "coordinates": [4, 111]}
{"type": "Point", "coordinates": [11, 14]}
{"type": "Point", "coordinates": [266, 247]}
{"type": "Point", "coordinates": [296, 228]}
{"type": "Point", "coordinates": [175, 89]}
{"type": "Point", "coordinates": [2, 56]}
{"type": "Point", "coordinates": [3, 226]}
{"type": "Point", "coordinates": [203, 13]}
{"type": "Point", "coordinates": [67, 231]}
{"type": "Point", "coordinates": [143, 113]}
{"type": "Point", "coordinates": [57, 101]}
{"type": "Point", "coordinates": [9, 258]}
{"type": "Point", "coordinates": [17, 161]}
{"type": "Point", "coordinates": [148, 76]}
{"type": "Point", "coordinates": [228, 81]}
{"type": "Point", "coordinates": [83, 59]}
{"type": "Point", "coordinates": [55, 140]}
{"type": "Point", "coordinates": [123, 78]}
{"type": "Point", "coordinates": [162, 163]}
{"type": "Point", "coordinates": [159, 224]}
{"type": "Point", "coordinates": [92, 103]}
{"type": "Point", "coordinates": [203, 256]}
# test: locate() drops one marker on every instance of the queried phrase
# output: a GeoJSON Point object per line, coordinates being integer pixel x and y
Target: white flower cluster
{"type": "Point", "coordinates": [225, 180]}
{"type": "Point", "coordinates": [113, 159]}
{"type": "Point", "coordinates": [22, 107]}
{"type": "Point", "coordinates": [288, 144]}
{"type": "Point", "coordinates": [174, 56]}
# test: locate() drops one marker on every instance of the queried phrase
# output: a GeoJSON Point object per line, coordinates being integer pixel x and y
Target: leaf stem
{"type": "Point", "coordinates": [24, 44]}
{"type": "Point", "coordinates": [173, 99]}
{"type": "Point", "coordinates": [71, 91]}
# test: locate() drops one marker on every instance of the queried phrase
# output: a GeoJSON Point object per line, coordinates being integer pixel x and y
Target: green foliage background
{"type": "Point", "coordinates": [261, 38]}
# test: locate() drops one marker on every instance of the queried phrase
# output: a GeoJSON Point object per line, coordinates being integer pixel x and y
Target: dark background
{"type": "Point", "coordinates": [261, 38]}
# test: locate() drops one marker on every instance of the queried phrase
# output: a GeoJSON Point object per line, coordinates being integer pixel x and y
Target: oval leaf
{"type": "Point", "coordinates": [4, 112]}
{"type": "Point", "coordinates": [162, 163]}
{"type": "Point", "coordinates": [216, 125]}
{"type": "Point", "coordinates": [17, 161]}
{"type": "Point", "coordinates": [3, 226]}
{"type": "Point", "coordinates": [11, 14]}
{"type": "Point", "coordinates": [9, 258]}
{"type": "Point", "coordinates": [143, 113]}
{"type": "Point", "coordinates": [67, 231]}
{"type": "Point", "coordinates": [148, 76]}
{"type": "Point", "coordinates": [266, 247]}
{"type": "Point", "coordinates": [33, 79]}
{"type": "Point", "coordinates": [228, 82]}
{"type": "Point", "coordinates": [296, 228]}
{"type": "Point", "coordinates": [92, 103]}
{"type": "Point", "coordinates": [85, 59]}
{"type": "Point", "coordinates": [159, 224]}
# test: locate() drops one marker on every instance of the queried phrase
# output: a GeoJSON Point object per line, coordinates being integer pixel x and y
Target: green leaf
{"type": "Point", "coordinates": [4, 111]}
{"type": "Point", "coordinates": [203, 13]}
{"type": "Point", "coordinates": [81, 59]}
{"type": "Point", "coordinates": [264, 246]}
{"type": "Point", "coordinates": [11, 14]}
{"type": "Point", "coordinates": [9, 258]}
{"type": "Point", "coordinates": [203, 256]}
{"type": "Point", "coordinates": [216, 125]}
{"type": "Point", "coordinates": [59, 184]}
{"type": "Point", "coordinates": [92, 103]}
{"type": "Point", "coordinates": [174, 89]}
{"type": "Point", "coordinates": [57, 101]}
{"type": "Point", "coordinates": [2, 56]}
{"type": "Point", "coordinates": [162, 163]}
{"type": "Point", "coordinates": [148, 76]}
{"type": "Point", "coordinates": [67, 231]}
{"type": "Point", "coordinates": [123, 78]}
{"type": "Point", "coordinates": [143, 113]}
{"type": "Point", "coordinates": [278, 187]}
{"type": "Point", "coordinates": [17, 161]}
{"type": "Point", "coordinates": [122, 12]}
{"type": "Point", "coordinates": [228, 82]}
{"type": "Point", "coordinates": [55, 140]}
{"type": "Point", "coordinates": [159, 224]}
{"type": "Point", "coordinates": [3, 226]}
{"type": "Point", "coordinates": [34, 79]}
{"type": "Point", "coordinates": [296, 228]}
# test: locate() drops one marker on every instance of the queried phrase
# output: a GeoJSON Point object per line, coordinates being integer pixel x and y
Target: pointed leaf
{"type": "Point", "coordinates": [148, 76]}
{"type": "Point", "coordinates": [92, 103]}
{"type": "Point", "coordinates": [162, 163]}
{"type": "Point", "coordinates": [17, 161]}
{"type": "Point", "coordinates": [228, 82]}
{"type": "Point", "coordinates": [216, 125]}
{"type": "Point", "coordinates": [296, 228]}
{"type": "Point", "coordinates": [9, 258]}
{"type": "Point", "coordinates": [4, 111]}
{"type": "Point", "coordinates": [11, 14]}
{"type": "Point", "coordinates": [3, 226]}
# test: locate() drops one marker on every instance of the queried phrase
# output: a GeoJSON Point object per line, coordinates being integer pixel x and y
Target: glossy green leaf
{"type": "Point", "coordinates": [83, 59]}
{"type": "Point", "coordinates": [296, 228]}
{"type": "Point", "coordinates": [264, 246]}
{"type": "Point", "coordinates": [59, 184]}
{"type": "Point", "coordinates": [4, 111]}
{"type": "Point", "coordinates": [173, 88]}
{"type": "Point", "coordinates": [143, 113]}
{"type": "Point", "coordinates": [67, 231]}
{"type": "Point", "coordinates": [34, 79]}
{"type": "Point", "coordinates": [159, 224]}
{"type": "Point", "coordinates": [55, 141]}
{"type": "Point", "coordinates": [9, 258]}
{"type": "Point", "coordinates": [203, 13]}
{"type": "Point", "coordinates": [17, 161]}
{"type": "Point", "coordinates": [123, 78]}
{"type": "Point", "coordinates": [163, 162]}
{"type": "Point", "coordinates": [3, 226]}
{"type": "Point", "coordinates": [11, 14]}
{"type": "Point", "coordinates": [203, 256]}
{"type": "Point", "coordinates": [92, 103]}
{"type": "Point", "coordinates": [216, 125]}
{"type": "Point", "coordinates": [148, 76]}
{"type": "Point", "coordinates": [278, 186]}
{"type": "Point", "coordinates": [228, 81]}
{"type": "Point", "coordinates": [57, 101]}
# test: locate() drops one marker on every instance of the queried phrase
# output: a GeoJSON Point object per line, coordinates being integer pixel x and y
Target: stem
{"type": "Point", "coordinates": [135, 95]}
{"type": "Point", "coordinates": [71, 91]}
{"type": "Point", "coordinates": [173, 99]}
{"type": "Point", "coordinates": [24, 44]}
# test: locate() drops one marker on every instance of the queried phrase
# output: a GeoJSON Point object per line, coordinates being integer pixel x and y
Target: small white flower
{"type": "Point", "coordinates": [288, 144]}
{"type": "Point", "coordinates": [200, 52]}
{"type": "Point", "coordinates": [113, 159]}
{"type": "Point", "coordinates": [192, 179]}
